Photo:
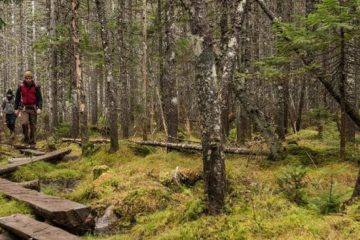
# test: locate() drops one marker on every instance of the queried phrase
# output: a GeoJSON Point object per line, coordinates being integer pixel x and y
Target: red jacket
{"type": "Point", "coordinates": [28, 95]}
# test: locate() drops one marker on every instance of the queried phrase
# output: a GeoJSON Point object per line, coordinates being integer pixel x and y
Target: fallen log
{"type": "Point", "coordinates": [71, 215]}
{"type": "Point", "coordinates": [47, 157]}
{"type": "Point", "coordinates": [193, 147]}
{"type": "Point", "coordinates": [25, 227]}
{"type": "Point", "coordinates": [21, 146]}
{"type": "Point", "coordinates": [78, 141]}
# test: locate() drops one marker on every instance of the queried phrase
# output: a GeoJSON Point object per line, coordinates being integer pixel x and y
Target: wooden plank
{"type": "Point", "coordinates": [14, 160]}
{"type": "Point", "coordinates": [28, 228]}
{"type": "Point", "coordinates": [47, 157]}
{"type": "Point", "coordinates": [31, 152]}
{"type": "Point", "coordinates": [71, 215]}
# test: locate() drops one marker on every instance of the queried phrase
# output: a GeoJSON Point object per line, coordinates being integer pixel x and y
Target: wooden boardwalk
{"type": "Point", "coordinates": [47, 157]}
{"type": "Point", "coordinates": [68, 214]}
{"type": "Point", "coordinates": [31, 152]}
{"type": "Point", "coordinates": [28, 228]}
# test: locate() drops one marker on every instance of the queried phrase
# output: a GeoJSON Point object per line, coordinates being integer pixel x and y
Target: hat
{"type": "Point", "coordinates": [28, 74]}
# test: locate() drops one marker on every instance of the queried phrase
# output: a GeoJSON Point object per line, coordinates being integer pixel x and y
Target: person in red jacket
{"type": "Point", "coordinates": [28, 104]}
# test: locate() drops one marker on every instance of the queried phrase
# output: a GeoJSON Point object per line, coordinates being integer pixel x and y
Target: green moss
{"type": "Point", "coordinates": [143, 201]}
{"type": "Point", "coordinates": [194, 210]}
{"type": "Point", "coordinates": [84, 193]}
{"type": "Point", "coordinates": [9, 207]}
{"type": "Point", "coordinates": [63, 174]}
{"type": "Point", "coordinates": [33, 171]}
{"type": "Point", "coordinates": [255, 208]}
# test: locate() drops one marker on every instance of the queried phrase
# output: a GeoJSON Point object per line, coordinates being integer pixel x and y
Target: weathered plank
{"type": "Point", "coordinates": [14, 160]}
{"type": "Point", "coordinates": [71, 215]}
{"type": "Point", "coordinates": [28, 228]}
{"type": "Point", "coordinates": [47, 157]}
{"type": "Point", "coordinates": [31, 152]}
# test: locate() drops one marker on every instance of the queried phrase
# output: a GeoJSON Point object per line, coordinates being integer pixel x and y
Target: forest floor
{"type": "Point", "coordinates": [299, 197]}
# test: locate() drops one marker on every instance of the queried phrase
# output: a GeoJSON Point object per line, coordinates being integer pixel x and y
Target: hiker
{"type": "Point", "coordinates": [28, 104]}
{"type": "Point", "coordinates": [8, 107]}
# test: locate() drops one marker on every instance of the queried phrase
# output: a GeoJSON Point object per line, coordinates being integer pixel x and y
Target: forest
{"type": "Point", "coordinates": [179, 119]}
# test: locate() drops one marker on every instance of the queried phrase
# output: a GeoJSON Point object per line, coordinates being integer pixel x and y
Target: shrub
{"type": "Point", "coordinates": [291, 183]}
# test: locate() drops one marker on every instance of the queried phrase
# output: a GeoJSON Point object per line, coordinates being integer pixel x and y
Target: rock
{"type": "Point", "coordinates": [105, 223]}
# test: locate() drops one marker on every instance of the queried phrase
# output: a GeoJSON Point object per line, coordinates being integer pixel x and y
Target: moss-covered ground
{"type": "Point", "coordinates": [299, 197]}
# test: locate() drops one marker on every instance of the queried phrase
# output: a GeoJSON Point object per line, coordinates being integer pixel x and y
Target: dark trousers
{"type": "Point", "coordinates": [29, 119]}
{"type": "Point", "coordinates": [10, 122]}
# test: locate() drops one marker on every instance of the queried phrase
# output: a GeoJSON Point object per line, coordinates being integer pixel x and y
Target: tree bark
{"type": "Point", "coordinates": [342, 90]}
{"type": "Point", "coordinates": [145, 112]}
{"type": "Point", "coordinates": [53, 94]}
{"type": "Point", "coordinates": [111, 112]}
{"type": "Point", "coordinates": [78, 76]}
{"type": "Point", "coordinates": [124, 90]}
{"type": "Point", "coordinates": [170, 98]}
{"type": "Point", "coordinates": [209, 105]}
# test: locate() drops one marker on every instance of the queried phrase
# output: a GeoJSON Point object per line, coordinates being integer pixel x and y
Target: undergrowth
{"type": "Point", "coordinates": [299, 197]}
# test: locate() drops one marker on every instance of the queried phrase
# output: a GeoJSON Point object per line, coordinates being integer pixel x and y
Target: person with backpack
{"type": "Point", "coordinates": [28, 104]}
{"type": "Point", "coordinates": [8, 107]}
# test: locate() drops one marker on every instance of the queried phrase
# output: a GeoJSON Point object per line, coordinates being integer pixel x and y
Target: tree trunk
{"type": "Point", "coordinates": [356, 192]}
{"type": "Point", "coordinates": [209, 106]}
{"type": "Point", "coordinates": [53, 94]}
{"type": "Point", "coordinates": [342, 90]}
{"type": "Point", "coordinates": [225, 89]}
{"type": "Point", "coordinates": [78, 76]}
{"type": "Point", "coordinates": [170, 98]}
{"type": "Point", "coordinates": [124, 90]}
{"type": "Point", "coordinates": [112, 114]}
{"type": "Point", "coordinates": [145, 112]}
{"type": "Point", "coordinates": [94, 98]}
{"type": "Point", "coordinates": [301, 105]}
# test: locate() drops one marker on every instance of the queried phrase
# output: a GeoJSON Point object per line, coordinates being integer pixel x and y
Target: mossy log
{"type": "Point", "coordinates": [193, 147]}
{"type": "Point", "coordinates": [92, 141]}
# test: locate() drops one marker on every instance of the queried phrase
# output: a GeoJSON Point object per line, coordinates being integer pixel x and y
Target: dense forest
{"type": "Point", "coordinates": [180, 119]}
